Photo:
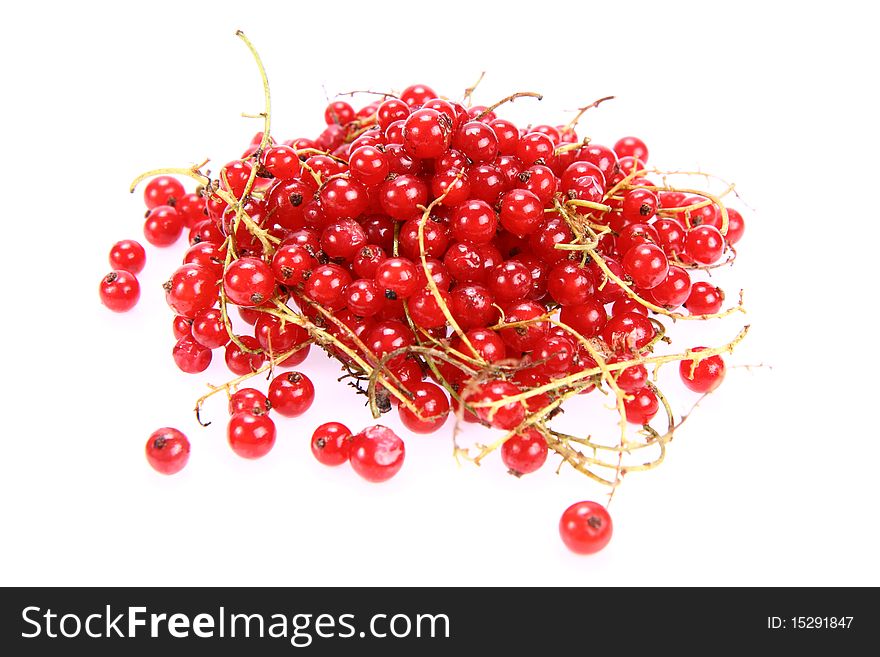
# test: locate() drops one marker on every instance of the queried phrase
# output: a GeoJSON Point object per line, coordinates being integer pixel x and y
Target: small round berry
{"type": "Point", "coordinates": [474, 221]}
{"type": "Point", "coordinates": [417, 95]}
{"type": "Point", "coordinates": [244, 362]}
{"type": "Point", "coordinates": [642, 407]}
{"type": "Point", "coordinates": [250, 436]}
{"type": "Point", "coordinates": [646, 265]}
{"type": "Point", "coordinates": [510, 281]}
{"type": "Point", "coordinates": [588, 318]}
{"type": "Point", "coordinates": [703, 375]}
{"type": "Point", "coordinates": [569, 284]}
{"type": "Point", "coordinates": [119, 291]}
{"type": "Point", "coordinates": [704, 299]}
{"type": "Point", "coordinates": [735, 226]}
{"type": "Point", "coordinates": [163, 226]}
{"type": "Point", "coordinates": [209, 330]}
{"type": "Point", "coordinates": [163, 190]}
{"type": "Point", "coordinates": [249, 400]}
{"type": "Point", "coordinates": [128, 255]}
{"type": "Point", "coordinates": [427, 133]}
{"type": "Point", "coordinates": [167, 450]}
{"type": "Point", "coordinates": [339, 112]}
{"type": "Point", "coordinates": [281, 162]}
{"type": "Point", "coordinates": [291, 394]}
{"type": "Point", "coordinates": [342, 239]}
{"type": "Point", "coordinates": [524, 452]}
{"type": "Point", "coordinates": [190, 355]}
{"type": "Point", "coordinates": [248, 282]}
{"type": "Point", "coordinates": [628, 332]}
{"type": "Point", "coordinates": [704, 244]}
{"type": "Point", "coordinates": [326, 286]}
{"type": "Point", "coordinates": [631, 147]}
{"type": "Point", "coordinates": [521, 212]}
{"type": "Point", "coordinates": [331, 443]}
{"type": "Point", "coordinates": [377, 453]}
{"type": "Point", "coordinates": [432, 406]}
{"type": "Point", "coordinates": [506, 416]}
{"type": "Point", "coordinates": [585, 527]}
{"type": "Point", "coordinates": [397, 278]}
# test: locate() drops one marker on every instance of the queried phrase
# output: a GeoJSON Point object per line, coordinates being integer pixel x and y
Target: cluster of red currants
{"type": "Point", "coordinates": [418, 223]}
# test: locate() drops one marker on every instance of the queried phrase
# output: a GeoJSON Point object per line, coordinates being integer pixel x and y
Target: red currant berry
{"type": "Point", "coordinates": [364, 298]}
{"type": "Point", "coordinates": [291, 394]}
{"type": "Point", "coordinates": [642, 407]}
{"type": "Point", "coordinates": [208, 328]}
{"type": "Point", "coordinates": [704, 299]}
{"type": "Point", "coordinates": [510, 281]}
{"type": "Point", "coordinates": [368, 165]}
{"type": "Point", "coordinates": [391, 110]}
{"type": "Point", "coordinates": [639, 205]}
{"type": "Point", "coordinates": [167, 450]}
{"type": "Point", "coordinates": [474, 221]}
{"type": "Point", "coordinates": [425, 311]}
{"type": "Point", "coordinates": [628, 306]}
{"type": "Point", "coordinates": [401, 197]}
{"type": "Point", "coordinates": [507, 134]}
{"type": "Point", "coordinates": [386, 337]}
{"type": "Point", "coordinates": [249, 400]}
{"type": "Point", "coordinates": [554, 355]}
{"type": "Point", "coordinates": [570, 284]}
{"type": "Point", "coordinates": [540, 181]}
{"type": "Point", "coordinates": [163, 226]}
{"type": "Point", "coordinates": [191, 209]}
{"type": "Point", "coordinates": [331, 443]}
{"type": "Point", "coordinates": [544, 240]}
{"type": "Point", "coordinates": [277, 336]}
{"type": "Point", "coordinates": [628, 332]}
{"type": "Point", "coordinates": [506, 416]}
{"type": "Point", "coordinates": [128, 255]}
{"type": "Point", "coordinates": [704, 244]}
{"type": "Point", "coordinates": [487, 183]}
{"type": "Point", "coordinates": [453, 185]}
{"type": "Point", "coordinates": [397, 278]}
{"type": "Point", "coordinates": [376, 453]}
{"type": "Point", "coordinates": [338, 113]}
{"type": "Point", "coordinates": [477, 141]}
{"type": "Point", "coordinates": [674, 289]}
{"type": "Point", "coordinates": [702, 375]}
{"type": "Point", "coordinates": [535, 148]}
{"type": "Point", "coordinates": [250, 436]}
{"type": "Point", "coordinates": [281, 162]}
{"type": "Point", "coordinates": [163, 190]}
{"type": "Point", "coordinates": [326, 286]}
{"type": "Point", "coordinates": [585, 527]}
{"type": "Point", "coordinates": [417, 95]}
{"type": "Point", "coordinates": [427, 133]}
{"type": "Point", "coordinates": [473, 306]}
{"type": "Point", "coordinates": [342, 198]}
{"type": "Point", "coordinates": [435, 238]}
{"type": "Point", "coordinates": [119, 290]}
{"type": "Point", "coordinates": [629, 379]}
{"type": "Point", "coordinates": [248, 282]}
{"type": "Point", "coordinates": [524, 452]}
{"type": "Point", "coordinates": [432, 408]}
{"type": "Point", "coordinates": [343, 239]}
{"type": "Point", "coordinates": [521, 212]}
{"type": "Point", "coordinates": [735, 227]}
{"type": "Point", "coordinates": [588, 318]}
{"type": "Point", "coordinates": [242, 362]}
{"type": "Point", "coordinates": [646, 265]}
{"type": "Point", "coordinates": [631, 147]}
{"type": "Point", "coordinates": [190, 355]}
{"type": "Point", "coordinates": [182, 326]}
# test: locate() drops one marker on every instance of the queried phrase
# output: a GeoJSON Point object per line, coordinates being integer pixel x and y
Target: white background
{"type": "Point", "coordinates": [772, 481]}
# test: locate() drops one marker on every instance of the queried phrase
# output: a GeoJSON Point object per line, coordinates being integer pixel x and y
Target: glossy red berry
{"type": "Point", "coordinates": [331, 443]}
{"type": "Point", "coordinates": [704, 244]}
{"type": "Point", "coordinates": [639, 205]}
{"type": "Point", "coordinates": [163, 190]}
{"type": "Point", "coordinates": [704, 299]}
{"type": "Point", "coordinates": [391, 110]}
{"type": "Point", "coordinates": [510, 281]}
{"type": "Point", "coordinates": [119, 291]}
{"type": "Point", "coordinates": [376, 453]}
{"type": "Point", "coordinates": [190, 355]}
{"type": "Point", "coordinates": [585, 527]}
{"type": "Point", "coordinates": [427, 133]}
{"type": "Point", "coordinates": [521, 212]}
{"type": "Point", "coordinates": [369, 165]}
{"type": "Point", "coordinates": [474, 221]}
{"type": "Point", "coordinates": [326, 286]}
{"type": "Point", "coordinates": [631, 147]}
{"type": "Point", "coordinates": [432, 408]}
{"type": "Point", "coordinates": [208, 328]}
{"type": "Point", "coordinates": [343, 239]}
{"type": "Point", "coordinates": [250, 436]}
{"type": "Point", "coordinates": [425, 311]}
{"type": "Point", "coordinates": [523, 337]}
{"type": "Point", "coordinates": [554, 355]}
{"type": "Point", "coordinates": [524, 452]}
{"type": "Point", "coordinates": [291, 394]}
{"type": "Point", "coordinates": [674, 289]}
{"type": "Point", "coordinates": [473, 306]}
{"type": "Point", "coordinates": [128, 255]}
{"type": "Point", "coordinates": [477, 141]}
{"type": "Point", "coordinates": [249, 400]}
{"type": "Point", "coordinates": [163, 226]}
{"type": "Point", "coordinates": [642, 407]}
{"type": "Point", "coordinates": [167, 450]}
{"type": "Point", "coordinates": [397, 278]}
{"type": "Point", "coordinates": [535, 148]}
{"type": "Point", "coordinates": [506, 416]}
{"type": "Point", "coordinates": [281, 162]}
{"type": "Point", "coordinates": [248, 282]}
{"type": "Point", "coordinates": [646, 265]}
{"type": "Point", "coordinates": [401, 197]}
{"type": "Point", "coordinates": [417, 95]}
{"type": "Point", "coordinates": [388, 336]}
{"type": "Point", "coordinates": [338, 112]}
{"type": "Point", "coordinates": [704, 375]}
{"type": "Point", "coordinates": [570, 284]}
{"type": "Point", "coordinates": [628, 333]}
{"type": "Point", "coordinates": [343, 198]}
{"type": "Point", "coordinates": [244, 362]}
{"type": "Point", "coordinates": [588, 318]}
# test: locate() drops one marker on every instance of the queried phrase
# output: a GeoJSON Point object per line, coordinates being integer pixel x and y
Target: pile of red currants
{"type": "Point", "coordinates": [452, 262]}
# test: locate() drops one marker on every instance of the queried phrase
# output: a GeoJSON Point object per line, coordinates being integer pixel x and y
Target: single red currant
{"type": "Point", "coordinates": [163, 190]}
{"type": "Point", "coordinates": [291, 394]}
{"type": "Point", "coordinates": [642, 407]}
{"type": "Point", "coordinates": [432, 408]}
{"type": "Point", "coordinates": [163, 226]}
{"type": "Point", "coordinates": [704, 299]}
{"type": "Point", "coordinates": [251, 436]}
{"type": "Point", "coordinates": [190, 355]}
{"type": "Point", "coordinates": [631, 147]}
{"type": "Point", "coordinates": [331, 443]}
{"type": "Point", "coordinates": [376, 453]}
{"type": "Point", "coordinates": [702, 375]}
{"type": "Point", "coordinates": [524, 452]}
{"type": "Point", "coordinates": [249, 400]}
{"type": "Point", "coordinates": [704, 244]}
{"type": "Point", "coordinates": [585, 527]}
{"type": "Point", "coordinates": [119, 290]}
{"type": "Point", "coordinates": [167, 450]}
{"type": "Point", "coordinates": [242, 362]}
{"type": "Point", "coordinates": [128, 255]}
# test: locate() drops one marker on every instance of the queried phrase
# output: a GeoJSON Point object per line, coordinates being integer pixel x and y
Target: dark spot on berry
{"type": "Point", "coordinates": [380, 147]}
{"type": "Point", "coordinates": [171, 201]}
{"type": "Point", "coordinates": [541, 161]}
{"type": "Point", "coordinates": [320, 443]}
{"type": "Point", "coordinates": [257, 298]}
{"type": "Point", "coordinates": [294, 377]}
{"type": "Point", "coordinates": [296, 199]}
{"type": "Point", "coordinates": [165, 286]}
{"type": "Point", "coordinates": [644, 209]}
{"type": "Point", "coordinates": [286, 272]}
{"type": "Point", "coordinates": [595, 522]}
{"type": "Point", "coordinates": [323, 258]}
{"type": "Point", "coordinates": [525, 176]}
{"type": "Point", "coordinates": [521, 331]}
{"type": "Point", "coordinates": [391, 295]}
{"type": "Point", "coordinates": [307, 275]}
{"type": "Point", "coordinates": [112, 276]}
{"type": "Point", "coordinates": [391, 176]}
{"type": "Point", "coordinates": [159, 443]}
